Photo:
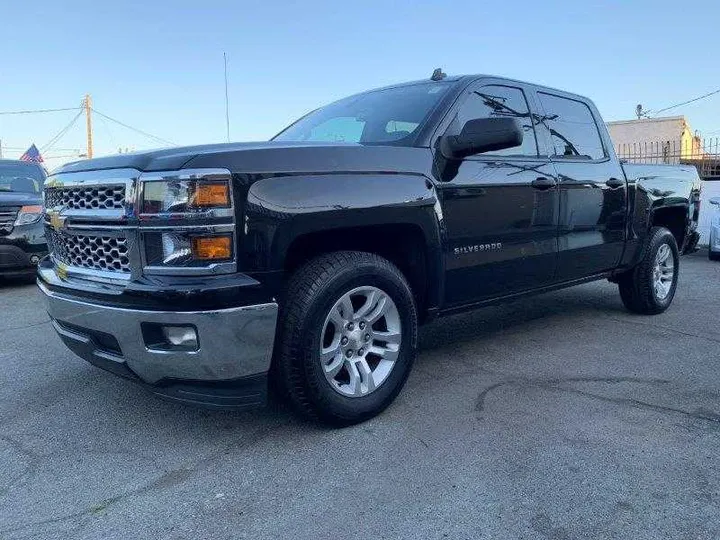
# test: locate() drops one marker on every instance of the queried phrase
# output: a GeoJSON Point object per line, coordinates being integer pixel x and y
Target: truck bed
{"type": "Point", "coordinates": [644, 172]}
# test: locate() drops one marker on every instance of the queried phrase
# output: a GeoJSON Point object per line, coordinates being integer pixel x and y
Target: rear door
{"type": "Point", "coordinates": [500, 209]}
{"type": "Point", "coordinates": [591, 182]}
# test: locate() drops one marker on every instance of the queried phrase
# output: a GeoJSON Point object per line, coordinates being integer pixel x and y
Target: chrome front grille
{"type": "Point", "coordinates": [96, 233]}
{"type": "Point", "coordinates": [86, 197]}
{"type": "Point", "coordinates": [8, 215]}
{"type": "Point", "coordinates": [95, 252]}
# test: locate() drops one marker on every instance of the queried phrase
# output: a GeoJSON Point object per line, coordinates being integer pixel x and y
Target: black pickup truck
{"type": "Point", "coordinates": [22, 233]}
{"type": "Point", "coordinates": [206, 273]}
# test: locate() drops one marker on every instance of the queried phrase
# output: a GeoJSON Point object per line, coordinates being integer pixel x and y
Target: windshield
{"type": "Point", "coordinates": [392, 116]}
{"type": "Point", "coordinates": [20, 178]}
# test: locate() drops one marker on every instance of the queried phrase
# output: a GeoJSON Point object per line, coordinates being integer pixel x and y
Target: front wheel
{"type": "Point", "coordinates": [348, 337]}
{"type": "Point", "coordinates": [649, 288]}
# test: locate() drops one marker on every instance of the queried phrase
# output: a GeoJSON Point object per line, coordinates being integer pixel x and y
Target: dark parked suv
{"type": "Point", "coordinates": [22, 234]}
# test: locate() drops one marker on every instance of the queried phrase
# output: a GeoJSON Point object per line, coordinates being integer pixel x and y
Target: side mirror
{"type": "Point", "coordinates": [714, 200]}
{"type": "Point", "coordinates": [482, 135]}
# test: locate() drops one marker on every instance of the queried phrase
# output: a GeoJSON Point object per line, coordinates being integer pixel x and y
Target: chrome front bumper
{"type": "Point", "coordinates": [234, 343]}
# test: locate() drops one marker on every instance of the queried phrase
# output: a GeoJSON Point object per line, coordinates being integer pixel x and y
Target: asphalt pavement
{"type": "Point", "coordinates": [560, 416]}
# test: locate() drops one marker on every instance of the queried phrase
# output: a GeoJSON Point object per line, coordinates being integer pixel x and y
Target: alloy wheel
{"type": "Point", "coordinates": [360, 341]}
{"type": "Point", "coordinates": [663, 272]}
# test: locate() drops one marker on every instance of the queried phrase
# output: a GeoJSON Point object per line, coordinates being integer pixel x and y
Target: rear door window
{"type": "Point", "coordinates": [572, 128]}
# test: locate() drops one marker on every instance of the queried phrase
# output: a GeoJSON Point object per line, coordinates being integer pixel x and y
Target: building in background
{"type": "Point", "coordinates": [670, 137]}
{"type": "Point", "coordinates": [672, 140]}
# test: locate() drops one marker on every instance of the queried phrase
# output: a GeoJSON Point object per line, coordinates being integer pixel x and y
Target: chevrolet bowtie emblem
{"type": "Point", "coordinates": [57, 221]}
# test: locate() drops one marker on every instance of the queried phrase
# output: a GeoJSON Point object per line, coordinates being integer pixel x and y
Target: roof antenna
{"type": "Point", "coordinates": [438, 75]}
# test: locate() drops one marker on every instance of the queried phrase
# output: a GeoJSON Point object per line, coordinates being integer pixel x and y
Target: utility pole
{"type": "Point", "coordinates": [88, 121]}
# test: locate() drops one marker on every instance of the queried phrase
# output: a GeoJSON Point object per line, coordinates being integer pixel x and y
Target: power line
{"type": "Point", "coordinates": [65, 129]}
{"type": "Point", "coordinates": [23, 148]}
{"type": "Point", "coordinates": [51, 155]}
{"type": "Point", "coordinates": [34, 111]}
{"type": "Point", "coordinates": [149, 135]}
{"type": "Point", "coordinates": [109, 132]}
{"type": "Point", "coordinates": [688, 101]}
{"type": "Point", "coordinates": [78, 154]}
{"type": "Point", "coordinates": [62, 132]}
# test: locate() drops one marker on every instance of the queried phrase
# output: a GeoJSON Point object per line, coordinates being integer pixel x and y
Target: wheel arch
{"type": "Point", "coordinates": [403, 244]}
{"type": "Point", "coordinates": [673, 218]}
{"type": "Point", "coordinates": [290, 220]}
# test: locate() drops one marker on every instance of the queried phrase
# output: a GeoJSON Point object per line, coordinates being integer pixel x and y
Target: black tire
{"type": "Point", "coordinates": [310, 294]}
{"type": "Point", "coordinates": [637, 286]}
{"type": "Point", "coordinates": [713, 256]}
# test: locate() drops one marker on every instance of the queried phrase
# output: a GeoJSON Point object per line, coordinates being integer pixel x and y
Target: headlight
{"type": "Point", "coordinates": [187, 222]}
{"type": "Point", "coordinates": [187, 249]}
{"type": "Point", "coordinates": [184, 196]}
{"type": "Point", "coordinates": [29, 214]}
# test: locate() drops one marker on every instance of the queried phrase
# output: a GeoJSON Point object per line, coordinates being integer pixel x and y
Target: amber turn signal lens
{"type": "Point", "coordinates": [211, 194]}
{"type": "Point", "coordinates": [211, 247]}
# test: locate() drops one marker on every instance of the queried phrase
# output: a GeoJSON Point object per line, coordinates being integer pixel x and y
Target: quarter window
{"type": "Point", "coordinates": [494, 101]}
{"type": "Point", "coordinates": [572, 128]}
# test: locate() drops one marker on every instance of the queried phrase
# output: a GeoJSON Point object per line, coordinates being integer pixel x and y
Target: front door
{"type": "Point", "coordinates": [592, 187]}
{"type": "Point", "coordinates": [500, 209]}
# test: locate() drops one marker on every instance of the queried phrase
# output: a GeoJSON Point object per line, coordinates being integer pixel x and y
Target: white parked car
{"type": "Point", "coordinates": [714, 248]}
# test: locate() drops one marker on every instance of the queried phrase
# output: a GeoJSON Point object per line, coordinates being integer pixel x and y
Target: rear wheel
{"type": "Point", "coordinates": [649, 288]}
{"type": "Point", "coordinates": [348, 337]}
{"type": "Point", "coordinates": [713, 256]}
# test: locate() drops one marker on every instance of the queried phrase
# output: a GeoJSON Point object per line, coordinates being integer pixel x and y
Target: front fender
{"type": "Point", "coordinates": [281, 209]}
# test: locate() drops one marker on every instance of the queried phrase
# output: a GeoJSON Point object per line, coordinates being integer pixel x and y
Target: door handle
{"type": "Point", "coordinates": [543, 183]}
{"type": "Point", "coordinates": [615, 183]}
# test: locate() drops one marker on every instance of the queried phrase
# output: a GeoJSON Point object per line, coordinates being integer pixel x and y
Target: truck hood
{"type": "Point", "coordinates": [14, 198]}
{"type": "Point", "coordinates": [269, 157]}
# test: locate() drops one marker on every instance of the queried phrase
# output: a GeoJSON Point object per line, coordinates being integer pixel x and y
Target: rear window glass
{"type": "Point", "coordinates": [572, 128]}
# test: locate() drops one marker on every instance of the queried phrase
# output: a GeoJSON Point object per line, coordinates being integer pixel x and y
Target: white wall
{"type": "Point", "coordinates": [709, 189]}
{"type": "Point", "coordinates": [647, 130]}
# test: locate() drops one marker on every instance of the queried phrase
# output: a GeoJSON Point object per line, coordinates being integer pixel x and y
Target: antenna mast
{"type": "Point", "coordinates": [227, 108]}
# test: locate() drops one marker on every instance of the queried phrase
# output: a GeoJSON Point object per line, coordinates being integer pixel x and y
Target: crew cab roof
{"type": "Point", "coordinates": [467, 79]}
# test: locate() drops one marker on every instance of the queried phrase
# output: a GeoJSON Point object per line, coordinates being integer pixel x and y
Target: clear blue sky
{"type": "Point", "coordinates": [158, 65]}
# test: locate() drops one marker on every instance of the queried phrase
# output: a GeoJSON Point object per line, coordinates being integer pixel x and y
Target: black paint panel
{"type": "Point", "coordinates": [492, 203]}
{"type": "Point", "coordinates": [592, 218]}
{"type": "Point", "coordinates": [281, 209]}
